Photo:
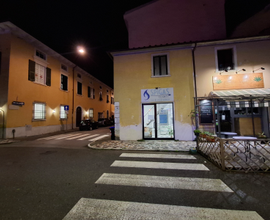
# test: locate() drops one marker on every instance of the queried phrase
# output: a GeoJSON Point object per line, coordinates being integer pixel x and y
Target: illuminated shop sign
{"type": "Point", "coordinates": [157, 95]}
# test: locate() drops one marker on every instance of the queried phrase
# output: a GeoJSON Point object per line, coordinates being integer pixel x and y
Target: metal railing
{"type": "Point", "coordinates": [237, 155]}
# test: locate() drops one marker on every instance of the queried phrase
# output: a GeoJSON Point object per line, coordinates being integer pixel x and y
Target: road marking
{"type": "Point", "coordinates": [100, 137]}
{"type": "Point", "coordinates": [99, 209]}
{"type": "Point", "coordinates": [202, 184]}
{"type": "Point", "coordinates": [159, 165]}
{"type": "Point", "coordinates": [165, 156]}
{"type": "Point", "coordinates": [52, 137]}
{"type": "Point", "coordinates": [94, 135]}
{"type": "Point", "coordinates": [71, 135]}
{"type": "Point", "coordinates": [83, 135]}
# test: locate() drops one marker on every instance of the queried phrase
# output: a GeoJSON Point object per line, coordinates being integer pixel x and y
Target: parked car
{"type": "Point", "coordinates": [104, 122]}
{"type": "Point", "coordinates": [88, 125]}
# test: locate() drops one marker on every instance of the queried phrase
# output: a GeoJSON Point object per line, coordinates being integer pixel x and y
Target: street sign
{"type": "Point", "coordinates": [66, 107]}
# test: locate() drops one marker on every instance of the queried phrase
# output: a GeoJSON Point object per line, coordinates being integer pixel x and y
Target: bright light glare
{"type": "Point", "coordinates": [81, 50]}
{"type": "Point", "coordinates": [230, 77]}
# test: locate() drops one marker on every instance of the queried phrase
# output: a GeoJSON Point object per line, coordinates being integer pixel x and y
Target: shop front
{"type": "Point", "coordinates": [158, 113]}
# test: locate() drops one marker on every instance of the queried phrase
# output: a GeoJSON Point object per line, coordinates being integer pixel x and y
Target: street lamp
{"type": "Point", "coordinates": [80, 50]}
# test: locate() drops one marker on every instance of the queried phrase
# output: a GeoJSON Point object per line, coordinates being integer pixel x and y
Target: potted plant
{"type": "Point", "coordinates": [211, 138]}
{"type": "Point", "coordinates": [203, 134]}
{"type": "Point", "coordinates": [261, 135]}
{"type": "Point", "coordinates": [197, 132]}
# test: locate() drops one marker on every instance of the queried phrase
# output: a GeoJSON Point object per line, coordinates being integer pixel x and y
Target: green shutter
{"type": "Point", "coordinates": [31, 71]}
{"type": "Point", "coordinates": [48, 77]}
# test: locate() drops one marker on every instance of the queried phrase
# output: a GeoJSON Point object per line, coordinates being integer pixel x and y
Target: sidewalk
{"type": "Point", "coordinates": [153, 145]}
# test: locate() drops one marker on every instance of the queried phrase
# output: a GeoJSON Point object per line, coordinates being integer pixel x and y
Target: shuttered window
{"type": "Point", "coordinates": [64, 82]}
{"type": "Point", "coordinates": [38, 73]}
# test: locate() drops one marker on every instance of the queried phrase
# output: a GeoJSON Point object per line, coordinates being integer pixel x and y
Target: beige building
{"type": "Point", "coordinates": [41, 91]}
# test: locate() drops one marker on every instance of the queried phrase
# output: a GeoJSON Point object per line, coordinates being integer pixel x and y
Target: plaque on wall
{"type": "Point", "coordinates": [206, 112]}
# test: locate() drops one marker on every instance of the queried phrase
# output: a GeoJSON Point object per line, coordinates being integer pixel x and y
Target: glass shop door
{"type": "Point", "coordinates": [158, 121]}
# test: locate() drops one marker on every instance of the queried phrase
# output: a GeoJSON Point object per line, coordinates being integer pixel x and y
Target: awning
{"type": "Point", "coordinates": [242, 92]}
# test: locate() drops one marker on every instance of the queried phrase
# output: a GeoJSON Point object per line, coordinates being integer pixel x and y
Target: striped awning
{"type": "Point", "coordinates": [242, 92]}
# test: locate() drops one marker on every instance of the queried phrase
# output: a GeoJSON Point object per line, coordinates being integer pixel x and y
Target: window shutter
{"type": "Point", "coordinates": [31, 71]}
{"type": "Point", "coordinates": [48, 77]}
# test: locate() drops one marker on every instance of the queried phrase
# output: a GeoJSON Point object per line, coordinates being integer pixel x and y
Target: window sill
{"type": "Point", "coordinates": [63, 90]}
{"type": "Point", "coordinates": [40, 83]}
{"type": "Point", "coordinates": [160, 76]}
{"type": "Point", "coordinates": [36, 120]}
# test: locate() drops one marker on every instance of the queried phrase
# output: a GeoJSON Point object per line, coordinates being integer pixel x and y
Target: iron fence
{"type": "Point", "coordinates": [237, 155]}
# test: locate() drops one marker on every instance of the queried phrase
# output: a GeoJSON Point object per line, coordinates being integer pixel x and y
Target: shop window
{"type": "Point", "coordinates": [79, 88]}
{"type": "Point", "coordinates": [62, 114]}
{"type": "Point", "coordinates": [38, 73]}
{"type": "Point", "coordinates": [225, 59]}
{"type": "Point", "coordinates": [39, 111]}
{"type": "Point", "coordinates": [160, 65]}
{"type": "Point", "coordinates": [64, 82]}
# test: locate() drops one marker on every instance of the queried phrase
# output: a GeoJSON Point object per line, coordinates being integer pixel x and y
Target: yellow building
{"type": "Point", "coordinates": [153, 93]}
{"type": "Point", "coordinates": [36, 83]}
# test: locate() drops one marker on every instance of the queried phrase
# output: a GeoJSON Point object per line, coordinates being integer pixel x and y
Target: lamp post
{"type": "Point", "coordinates": [80, 50]}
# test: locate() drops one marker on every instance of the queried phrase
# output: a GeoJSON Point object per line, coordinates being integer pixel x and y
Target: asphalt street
{"type": "Point", "coordinates": [45, 179]}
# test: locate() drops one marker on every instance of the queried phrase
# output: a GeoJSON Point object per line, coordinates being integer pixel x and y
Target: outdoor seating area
{"type": "Point", "coordinates": [239, 153]}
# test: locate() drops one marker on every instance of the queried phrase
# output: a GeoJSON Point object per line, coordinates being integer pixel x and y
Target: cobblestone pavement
{"type": "Point", "coordinates": [156, 145]}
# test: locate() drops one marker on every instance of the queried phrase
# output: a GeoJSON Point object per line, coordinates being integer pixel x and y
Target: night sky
{"type": "Point", "coordinates": [96, 24]}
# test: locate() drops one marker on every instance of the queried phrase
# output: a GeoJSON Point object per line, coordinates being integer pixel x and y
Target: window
{"type": "Point", "coordinates": [38, 73]}
{"type": "Point", "coordinates": [160, 65]}
{"type": "Point", "coordinates": [39, 111]}
{"type": "Point", "coordinates": [79, 76]}
{"type": "Point", "coordinates": [64, 67]}
{"type": "Point", "coordinates": [64, 82]}
{"type": "Point", "coordinates": [225, 58]}
{"type": "Point", "coordinates": [91, 113]}
{"type": "Point", "coordinates": [63, 114]}
{"type": "Point", "coordinates": [89, 92]}
{"type": "Point", "coordinates": [79, 88]}
{"type": "Point", "coordinates": [41, 55]}
{"type": "Point", "coordinates": [108, 99]}
{"type": "Point", "coordinates": [93, 93]}
{"type": "Point", "coordinates": [112, 100]}
{"type": "Point", "coordinates": [100, 96]}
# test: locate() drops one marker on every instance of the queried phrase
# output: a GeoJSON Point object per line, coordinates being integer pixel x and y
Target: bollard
{"type": "Point", "coordinates": [13, 133]}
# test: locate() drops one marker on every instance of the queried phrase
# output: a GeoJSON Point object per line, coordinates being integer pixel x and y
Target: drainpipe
{"type": "Point", "coordinates": [195, 84]}
{"type": "Point", "coordinates": [73, 72]}
{"type": "Point", "coordinates": [3, 122]}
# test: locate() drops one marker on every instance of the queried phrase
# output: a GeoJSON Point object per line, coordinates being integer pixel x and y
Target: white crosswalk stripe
{"type": "Point", "coordinates": [163, 156]}
{"type": "Point", "coordinates": [99, 209]}
{"type": "Point", "coordinates": [100, 137]}
{"type": "Point", "coordinates": [75, 136]}
{"type": "Point", "coordinates": [87, 137]}
{"type": "Point", "coordinates": [160, 165]}
{"type": "Point", "coordinates": [204, 184]}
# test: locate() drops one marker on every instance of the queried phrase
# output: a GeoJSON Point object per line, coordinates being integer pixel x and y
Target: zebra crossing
{"type": "Point", "coordinates": [90, 208]}
{"type": "Point", "coordinates": [75, 136]}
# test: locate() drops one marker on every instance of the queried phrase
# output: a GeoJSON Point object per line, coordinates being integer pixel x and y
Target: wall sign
{"type": "Point", "coordinates": [157, 95]}
{"type": "Point", "coordinates": [238, 81]}
{"type": "Point", "coordinates": [17, 103]}
{"type": "Point", "coordinates": [206, 112]}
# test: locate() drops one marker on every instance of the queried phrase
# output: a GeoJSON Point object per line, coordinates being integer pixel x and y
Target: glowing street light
{"type": "Point", "coordinates": [81, 50]}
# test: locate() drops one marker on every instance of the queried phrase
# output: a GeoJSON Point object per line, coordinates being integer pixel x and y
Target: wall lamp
{"type": "Point", "coordinates": [240, 70]}
{"type": "Point", "coordinates": [262, 68]}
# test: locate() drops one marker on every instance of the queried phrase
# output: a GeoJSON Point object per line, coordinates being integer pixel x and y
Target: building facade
{"type": "Point", "coordinates": [43, 92]}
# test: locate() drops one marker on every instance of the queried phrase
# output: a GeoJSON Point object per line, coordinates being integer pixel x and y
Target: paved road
{"type": "Point", "coordinates": [48, 182]}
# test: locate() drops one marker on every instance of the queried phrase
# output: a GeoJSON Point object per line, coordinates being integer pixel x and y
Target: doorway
{"type": "Point", "coordinates": [78, 116]}
{"type": "Point", "coordinates": [158, 121]}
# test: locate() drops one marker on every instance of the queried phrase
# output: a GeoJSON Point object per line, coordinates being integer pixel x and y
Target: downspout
{"type": "Point", "coordinates": [73, 96]}
{"type": "Point", "coordinates": [3, 122]}
{"type": "Point", "coordinates": [195, 84]}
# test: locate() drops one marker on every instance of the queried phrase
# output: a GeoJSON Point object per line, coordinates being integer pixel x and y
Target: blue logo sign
{"type": "Point", "coordinates": [66, 107]}
{"type": "Point", "coordinates": [146, 95]}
